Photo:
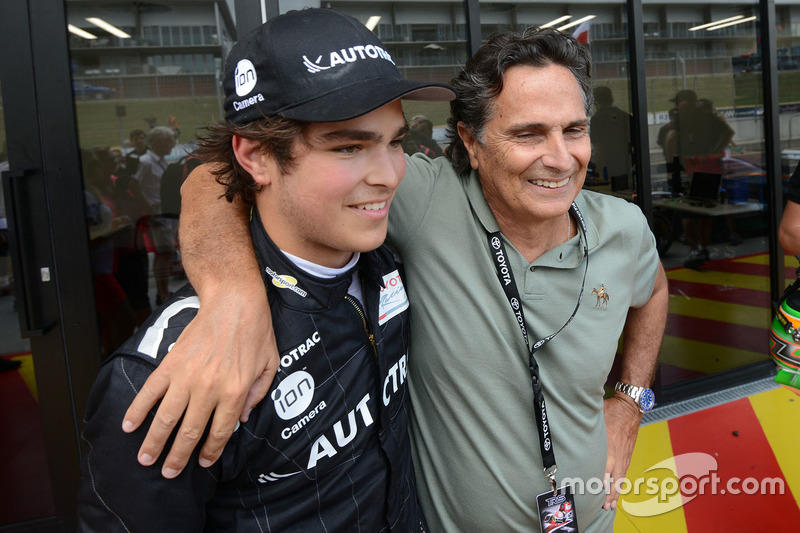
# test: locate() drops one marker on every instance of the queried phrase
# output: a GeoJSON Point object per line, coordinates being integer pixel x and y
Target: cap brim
{"type": "Point", "coordinates": [356, 100]}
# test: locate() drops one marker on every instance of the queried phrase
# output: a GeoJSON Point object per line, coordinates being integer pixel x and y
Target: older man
{"type": "Point", "coordinates": [163, 230]}
{"type": "Point", "coordinates": [500, 245]}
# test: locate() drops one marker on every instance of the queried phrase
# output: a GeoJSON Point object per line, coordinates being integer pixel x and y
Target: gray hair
{"type": "Point", "coordinates": [481, 81]}
{"type": "Point", "coordinates": [159, 132]}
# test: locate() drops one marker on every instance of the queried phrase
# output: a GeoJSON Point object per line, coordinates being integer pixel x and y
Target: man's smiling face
{"type": "Point", "coordinates": [335, 198]}
{"type": "Point", "coordinates": [536, 148]}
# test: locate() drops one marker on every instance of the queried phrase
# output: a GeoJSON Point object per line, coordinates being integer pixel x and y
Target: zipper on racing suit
{"type": "Point", "coordinates": [357, 305]}
{"type": "Point", "coordinates": [360, 310]}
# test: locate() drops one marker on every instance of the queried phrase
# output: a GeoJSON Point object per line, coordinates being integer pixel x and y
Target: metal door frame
{"type": "Point", "coordinates": [58, 314]}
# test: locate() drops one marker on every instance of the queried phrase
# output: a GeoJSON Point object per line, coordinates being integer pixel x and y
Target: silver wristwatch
{"type": "Point", "coordinates": [644, 397]}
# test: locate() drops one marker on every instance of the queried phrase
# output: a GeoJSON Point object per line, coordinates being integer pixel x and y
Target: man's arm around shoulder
{"type": "Point", "coordinates": [215, 367]}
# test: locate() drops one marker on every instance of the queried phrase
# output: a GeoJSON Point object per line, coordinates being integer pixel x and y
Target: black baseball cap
{"type": "Point", "coordinates": [684, 95]}
{"type": "Point", "coordinates": [315, 65]}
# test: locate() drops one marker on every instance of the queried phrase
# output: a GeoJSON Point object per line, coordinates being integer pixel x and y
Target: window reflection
{"type": "Point", "coordinates": [427, 42]}
{"type": "Point", "coordinates": [706, 150]}
{"type": "Point", "coordinates": [165, 74]}
{"type": "Point", "coordinates": [789, 87]}
{"type": "Point", "coordinates": [144, 80]}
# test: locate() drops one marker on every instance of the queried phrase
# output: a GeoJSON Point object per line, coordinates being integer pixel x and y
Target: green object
{"type": "Point", "coordinates": [790, 310]}
{"type": "Point", "coordinates": [788, 378]}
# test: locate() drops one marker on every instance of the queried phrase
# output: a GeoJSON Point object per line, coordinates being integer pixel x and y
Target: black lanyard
{"type": "Point", "coordinates": [506, 278]}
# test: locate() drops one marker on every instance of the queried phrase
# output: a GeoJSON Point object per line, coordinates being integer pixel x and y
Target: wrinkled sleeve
{"type": "Point", "coordinates": [413, 199]}
{"type": "Point", "coordinates": [117, 493]}
{"type": "Point", "coordinates": [647, 260]}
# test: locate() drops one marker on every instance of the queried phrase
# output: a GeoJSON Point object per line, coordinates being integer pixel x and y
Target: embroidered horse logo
{"type": "Point", "coordinates": [602, 295]}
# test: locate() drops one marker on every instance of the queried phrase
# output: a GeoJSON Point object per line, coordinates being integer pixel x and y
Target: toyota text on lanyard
{"type": "Point", "coordinates": [506, 278]}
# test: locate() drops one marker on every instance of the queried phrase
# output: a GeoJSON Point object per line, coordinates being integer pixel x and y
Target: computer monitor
{"type": "Point", "coordinates": [620, 183]}
{"type": "Point", "coordinates": [705, 186]}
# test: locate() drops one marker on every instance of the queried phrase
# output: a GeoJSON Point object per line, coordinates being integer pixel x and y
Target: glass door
{"type": "Point", "coordinates": [100, 103]}
{"type": "Point", "coordinates": [709, 178]}
{"type": "Point", "coordinates": [144, 81]}
{"type": "Point", "coordinates": [26, 492]}
{"type": "Point", "coordinates": [49, 347]}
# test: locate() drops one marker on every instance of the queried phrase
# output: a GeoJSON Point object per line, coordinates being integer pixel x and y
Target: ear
{"type": "Point", "coordinates": [469, 143]}
{"type": "Point", "coordinates": [250, 156]}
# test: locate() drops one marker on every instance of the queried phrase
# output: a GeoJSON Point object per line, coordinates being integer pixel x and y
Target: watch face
{"type": "Point", "coordinates": [648, 400]}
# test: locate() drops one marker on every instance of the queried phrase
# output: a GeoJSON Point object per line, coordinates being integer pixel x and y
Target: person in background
{"type": "Point", "coordinates": [610, 129]}
{"type": "Point", "coordinates": [138, 139]}
{"type": "Point", "coordinates": [162, 230]}
{"type": "Point", "coordinates": [698, 140]}
{"type": "Point", "coordinates": [422, 131]}
{"type": "Point", "coordinates": [115, 316]}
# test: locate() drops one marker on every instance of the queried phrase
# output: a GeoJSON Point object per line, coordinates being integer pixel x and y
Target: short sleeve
{"type": "Point", "coordinates": [647, 262]}
{"type": "Point", "coordinates": [413, 199]}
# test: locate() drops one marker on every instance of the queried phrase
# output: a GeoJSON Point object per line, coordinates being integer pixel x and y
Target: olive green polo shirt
{"type": "Point", "coordinates": [474, 436]}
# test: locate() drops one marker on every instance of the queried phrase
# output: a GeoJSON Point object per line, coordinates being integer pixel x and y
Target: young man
{"type": "Point", "coordinates": [130, 164]}
{"type": "Point", "coordinates": [315, 147]}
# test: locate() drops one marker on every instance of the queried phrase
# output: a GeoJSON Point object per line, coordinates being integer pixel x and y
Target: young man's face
{"type": "Point", "coordinates": [139, 142]}
{"type": "Point", "coordinates": [335, 199]}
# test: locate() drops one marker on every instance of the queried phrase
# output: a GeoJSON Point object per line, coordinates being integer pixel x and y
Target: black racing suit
{"type": "Point", "coordinates": [326, 450]}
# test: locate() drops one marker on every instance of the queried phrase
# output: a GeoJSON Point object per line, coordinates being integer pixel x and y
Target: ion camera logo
{"type": "Point", "coordinates": [293, 395]}
{"type": "Point", "coordinates": [245, 76]}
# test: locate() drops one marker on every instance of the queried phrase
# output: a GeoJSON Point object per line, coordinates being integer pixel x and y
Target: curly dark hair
{"type": "Point", "coordinates": [482, 79]}
{"type": "Point", "coordinates": [276, 135]}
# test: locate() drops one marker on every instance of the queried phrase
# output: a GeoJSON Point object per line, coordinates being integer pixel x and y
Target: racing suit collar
{"type": "Point", "coordinates": [299, 289]}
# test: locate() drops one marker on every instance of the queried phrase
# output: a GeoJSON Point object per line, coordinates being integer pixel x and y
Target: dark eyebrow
{"type": "Point", "coordinates": [359, 135]}
{"type": "Point", "coordinates": [538, 126]}
{"type": "Point", "coordinates": [582, 122]}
